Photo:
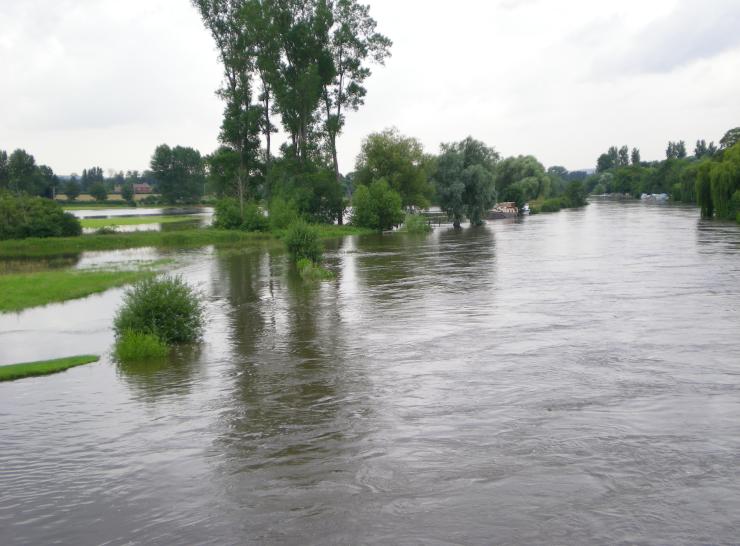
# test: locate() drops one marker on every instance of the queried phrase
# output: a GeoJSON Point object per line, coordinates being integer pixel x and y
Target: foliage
{"type": "Point", "coordinates": [416, 223]}
{"type": "Point", "coordinates": [313, 189]}
{"type": "Point", "coordinates": [24, 291]}
{"type": "Point", "coordinates": [282, 213]}
{"type": "Point", "coordinates": [575, 195]}
{"type": "Point", "coordinates": [521, 179]}
{"type": "Point", "coordinates": [310, 271]}
{"type": "Point", "coordinates": [376, 207]}
{"type": "Point", "coordinates": [303, 242]}
{"type": "Point", "coordinates": [552, 205]}
{"type": "Point", "coordinates": [165, 307]}
{"type": "Point", "coordinates": [72, 189]}
{"type": "Point", "coordinates": [47, 367]}
{"type": "Point", "coordinates": [229, 216]}
{"type": "Point", "coordinates": [98, 191]}
{"type": "Point", "coordinates": [676, 150]}
{"type": "Point", "coordinates": [180, 173]}
{"type": "Point", "coordinates": [127, 193]}
{"type": "Point", "coordinates": [23, 216]}
{"type": "Point", "coordinates": [400, 161]}
{"type": "Point", "coordinates": [466, 181]}
{"type": "Point", "coordinates": [731, 138]}
{"type": "Point", "coordinates": [134, 346]}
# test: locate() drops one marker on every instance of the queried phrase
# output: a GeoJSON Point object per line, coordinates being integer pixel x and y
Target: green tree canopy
{"type": "Point", "coordinates": [180, 173]}
{"type": "Point", "coordinates": [465, 179]}
{"type": "Point", "coordinates": [399, 160]}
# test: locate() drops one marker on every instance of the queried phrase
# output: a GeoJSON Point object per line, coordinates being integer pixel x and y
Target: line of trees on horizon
{"type": "Point", "coordinates": [709, 178]}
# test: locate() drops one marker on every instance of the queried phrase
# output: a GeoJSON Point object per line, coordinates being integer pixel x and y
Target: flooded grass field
{"type": "Point", "coordinates": [564, 379]}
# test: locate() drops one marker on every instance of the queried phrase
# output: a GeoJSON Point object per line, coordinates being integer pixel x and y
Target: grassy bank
{"type": "Point", "coordinates": [32, 369]}
{"type": "Point", "coordinates": [190, 238]}
{"type": "Point", "coordinates": [94, 223]}
{"type": "Point", "coordinates": [23, 291]}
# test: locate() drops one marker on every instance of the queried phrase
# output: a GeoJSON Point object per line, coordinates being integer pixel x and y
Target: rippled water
{"type": "Point", "coordinates": [567, 379]}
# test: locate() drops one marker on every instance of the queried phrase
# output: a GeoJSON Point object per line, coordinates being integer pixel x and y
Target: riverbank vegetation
{"type": "Point", "coordinates": [709, 178]}
{"type": "Point", "coordinates": [24, 291]}
{"type": "Point", "coordinates": [47, 367]}
{"type": "Point", "coordinates": [23, 216]}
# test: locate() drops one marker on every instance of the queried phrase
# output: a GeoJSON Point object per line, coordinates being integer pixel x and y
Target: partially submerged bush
{"type": "Point", "coordinates": [303, 242]}
{"type": "Point", "coordinates": [137, 346]}
{"type": "Point", "coordinates": [416, 223]}
{"type": "Point", "coordinates": [23, 216]}
{"type": "Point", "coordinates": [166, 307]}
{"type": "Point", "coordinates": [377, 206]}
{"type": "Point", "coordinates": [312, 272]}
{"type": "Point", "coordinates": [228, 215]}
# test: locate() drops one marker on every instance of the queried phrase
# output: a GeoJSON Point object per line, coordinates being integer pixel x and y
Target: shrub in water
{"type": "Point", "coordinates": [165, 307]}
{"type": "Point", "coordinates": [303, 241]}
{"type": "Point", "coordinates": [23, 216]}
{"type": "Point", "coordinates": [312, 272]}
{"type": "Point", "coordinates": [136, 346]}
{"type": "Point", "coordinates": [416, 223]}
{"type": "Point", "coordinates": [254, 219]}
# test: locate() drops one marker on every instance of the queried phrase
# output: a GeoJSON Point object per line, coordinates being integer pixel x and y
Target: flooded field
{"type": "Point", "coordinates": [564, 379]}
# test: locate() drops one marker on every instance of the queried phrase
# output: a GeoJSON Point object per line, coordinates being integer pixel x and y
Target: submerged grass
{"type": "Point", "coordinates": [189, 238]}
{"type": "Point", "coordinates": [309, 271]}
{"type": "Point", "coordinates": [93, 223]}
{"type": "Point", "coordinates": [47, 367]}
{"type": "Point", "coordinates": [137, 347]}
{"type": "Point", "coordinates": [23, 291]}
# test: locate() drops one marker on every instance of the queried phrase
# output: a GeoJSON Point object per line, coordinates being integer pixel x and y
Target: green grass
{"type": "Point", "coordinates": [189, 238]}
{"type": "Point", "coordinates": [33, 369]}
{"type": "Point", "coordinates": [309, 271]}
{"type": "Point", "coordinates": [23, 291]}
{"type": "Point", "coordinates": [93, 223]}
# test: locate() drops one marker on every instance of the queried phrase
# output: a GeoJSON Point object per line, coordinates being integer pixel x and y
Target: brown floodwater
{"type": "Point", "coordinates": [564, 379]}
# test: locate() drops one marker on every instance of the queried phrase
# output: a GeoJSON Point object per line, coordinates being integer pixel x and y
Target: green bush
{"type": "Point", "coordinates": [575, 195]}
{"type": "Point", "coordinates": [282, 213]}
{"type": "Point", "coordinates": [312, 272]}
{"type": "Point", "coordinates": [303, 242]}
{"type": "Point", "coordinates": [552, 205]}
{"type": "Point", "coordinates": [416, 223]}
{"type": "Point", "coordinates": [106, 230]}
{"type": "Point", "coordinates": [377, 206]}
{"type": "Point", "coordinates": [23, 216]}
{"type": "Point", "coordinates": [165, 307]}
{"type": "Point", "coordinates": [228, 216]}
{"type": "Point", "coordinates": [136, 346]}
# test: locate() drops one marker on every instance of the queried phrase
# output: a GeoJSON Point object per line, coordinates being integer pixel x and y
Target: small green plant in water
{"type": "Point", "coordinates": [303, 242]}
{"type": "Point", "coordinates": [311, 272]}
{"type": "Point", "coordinates": [166, 307]}
{"type": "Point", "coordinates": [416, 223]}
{"type": "Point", "coordinates": [136, 346]}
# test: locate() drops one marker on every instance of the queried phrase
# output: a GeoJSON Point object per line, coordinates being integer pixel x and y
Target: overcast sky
{"type": "Point", "coordinates": [103, 82]}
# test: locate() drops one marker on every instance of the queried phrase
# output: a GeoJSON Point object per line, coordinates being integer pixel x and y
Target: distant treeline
{"type": "Point", "coordinates": [710, 177]}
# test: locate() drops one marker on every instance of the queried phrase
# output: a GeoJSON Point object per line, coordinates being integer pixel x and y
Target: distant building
{"type": "Point", "coordinates": [142, 188]}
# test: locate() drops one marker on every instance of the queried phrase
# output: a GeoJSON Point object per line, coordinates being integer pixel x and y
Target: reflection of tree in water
{"type": "Point", "coordinates": [289, 368]}
{"type": "Point", "coordinates": [446, 258]}
{"type": "Point", "coordinates": [154, 379]}
{"type": "Point", "coordinates": [718, 236]}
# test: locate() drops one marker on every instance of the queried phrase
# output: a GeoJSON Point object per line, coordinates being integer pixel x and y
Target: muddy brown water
{"type": "Point", "coordinates": [567, 379]}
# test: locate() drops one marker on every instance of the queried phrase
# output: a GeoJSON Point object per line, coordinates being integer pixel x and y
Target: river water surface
{"type": "Point", "coordinates": [566, 379]}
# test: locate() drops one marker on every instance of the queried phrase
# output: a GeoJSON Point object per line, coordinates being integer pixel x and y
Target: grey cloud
{"type": "Point", "coordinates": [693, 31]}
